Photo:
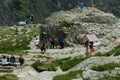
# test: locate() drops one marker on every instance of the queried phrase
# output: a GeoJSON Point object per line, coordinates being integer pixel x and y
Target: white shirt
{"type": "Point", "coordinates": [4, 61]}
{"type": "Point", "coordinates": [36, 42]}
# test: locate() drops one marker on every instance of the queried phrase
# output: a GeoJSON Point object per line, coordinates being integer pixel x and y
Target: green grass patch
{"type": "Point", "coordinates": [65, 24]}
{"type": "Point", "coordinates": [115, 51]}
{"type": "Point", "coordinates": [99, 54]}
{"type": "Point", "coordinates": [39, 66]}
{"type": "Point", "coordinates": [14, 40]}
{"type": "Point", "coordinates": [110, 78]}
{"type": "Point", "coordinates": [68, 63]}
{"type": "Point", "coordinates": [105, 67]}
{"type": "Point", "coordinates": [69, 76]}
{"type": "Point", "coordinates": [8, 77]}
{"type": "Point", "coordinates": [65, 64]}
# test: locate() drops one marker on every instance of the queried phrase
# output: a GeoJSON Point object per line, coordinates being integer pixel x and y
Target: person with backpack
{"type": "Point", "coordinates": [52, 42]}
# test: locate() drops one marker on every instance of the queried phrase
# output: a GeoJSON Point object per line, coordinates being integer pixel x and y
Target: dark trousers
{"type": "Point", "coordinates": [52, 45]}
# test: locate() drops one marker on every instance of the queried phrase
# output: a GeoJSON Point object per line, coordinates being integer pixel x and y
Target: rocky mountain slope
{"type": "Point", "coordinates": [27, 72]}
{"type": "Point", "coordinates": [12, 11]}
{"type": "Point", "coordinates": [76, 22]}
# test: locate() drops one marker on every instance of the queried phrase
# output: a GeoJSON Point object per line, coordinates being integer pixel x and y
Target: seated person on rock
{"type": "Point", "coordinates": [12, 59]}
{"type": "Point", "coordinates": [21, 60]}
{"type": "Point", "coordinates": [4, 61]}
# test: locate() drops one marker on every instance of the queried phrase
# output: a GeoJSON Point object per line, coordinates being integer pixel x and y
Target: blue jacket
{"type": "Point", "coordinates": [12, 59]}
{"type": "Point", "coordinates": [60, 38]}
{"type": "Point", "coordinates": [81, 5]}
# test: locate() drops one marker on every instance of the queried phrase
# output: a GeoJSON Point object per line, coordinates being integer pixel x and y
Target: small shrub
{"type": "Point", "coordinates": [65, 24]}
{"type": "Point", "coordinates": [105, 67]}
{"type": "Point", "coordinates": [39, 66]}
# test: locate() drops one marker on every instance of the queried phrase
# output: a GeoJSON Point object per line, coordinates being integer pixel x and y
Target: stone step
{"type": "Point", "coordinates": [6, 70]}
{"type": "Point", "coordinates": [7, 67]}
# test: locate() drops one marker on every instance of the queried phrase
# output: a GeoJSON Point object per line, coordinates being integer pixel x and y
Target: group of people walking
{"type": "Point", "coordinates": [42, 43]}
{"type": "Point", "coordinates": [52, 42]}
{"type": "Point", "coordinates": [6, 60]}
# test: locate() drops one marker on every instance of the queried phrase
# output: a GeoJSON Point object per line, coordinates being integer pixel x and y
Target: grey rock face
{"type": "Point", "coordinates": [94, 75]}
{"type": "Point", "coordinates": [88, 14]}
{"type": "Point", "coordinates": [12, 13]}
{"type": "Point", "coordinates": [87, 20]}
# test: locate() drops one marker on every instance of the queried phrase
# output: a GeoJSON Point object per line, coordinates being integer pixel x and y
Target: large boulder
{"type": "Point", "coordinates": [77, 22]}
{"type": "Point", "coordinates": [88, 14]}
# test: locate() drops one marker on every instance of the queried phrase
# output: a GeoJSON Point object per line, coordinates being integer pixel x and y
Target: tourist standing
{"type": "Point", "coordinates": [60, 41]}
{"type": "Point", "coordinates": [43, 48]}
{"type": "Point", "coordinates": [52, 42]}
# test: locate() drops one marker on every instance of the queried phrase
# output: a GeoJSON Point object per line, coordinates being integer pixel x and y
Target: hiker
{"type": "Point", "coordinates": [81, 5]}
{"type": "Point", "coordinates": [31, 18]}
{"type": "Point", "coordinates": [12, 59]}
{"type": "Point", "coordinates": [43, 48]}
{"type": "Point", "coordinates": [21, 60]}
{"type": "Point", "coordinates": [87, 47]}
{"type": "Point", "coordinates": [36, 43]}
{"type": "Point", "coordinates": [60, 41]}
{"type": "Point", "coordinates": [91, 46]}
{"type": "Point", "coordinates": [42, 37]}
{"type": "Point", "coordinates": [4, 61]}
{"type": "Point", "coordinates": [52, 42]}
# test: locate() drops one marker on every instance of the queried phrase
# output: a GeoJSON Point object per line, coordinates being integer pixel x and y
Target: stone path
{"type": "Point", "coordinates": [58, 53]}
